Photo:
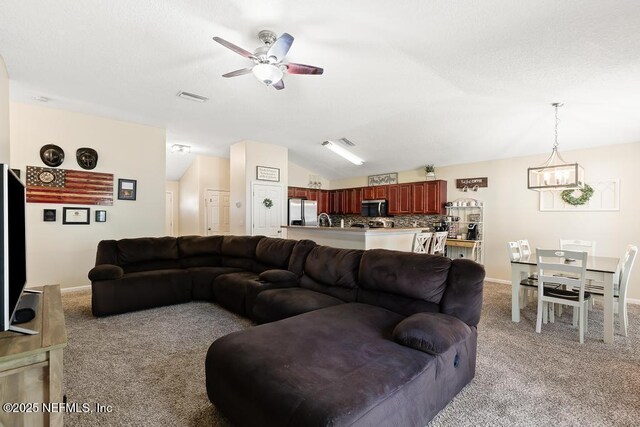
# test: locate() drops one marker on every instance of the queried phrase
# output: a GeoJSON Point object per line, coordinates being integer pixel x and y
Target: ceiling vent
{"type": "Point", "coordinates": [346, 142]}
{"type": "Point", "coordinates": [192, 96]}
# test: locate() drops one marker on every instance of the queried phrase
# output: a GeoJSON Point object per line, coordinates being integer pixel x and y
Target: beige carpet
{"type": "Point", "coordinates": [149, 366]}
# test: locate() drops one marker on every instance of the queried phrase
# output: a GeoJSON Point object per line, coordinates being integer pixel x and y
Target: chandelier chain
{"type": "Point", "coordinates": [555, 144]}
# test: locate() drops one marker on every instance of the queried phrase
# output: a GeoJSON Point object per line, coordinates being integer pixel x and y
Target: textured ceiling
{"type": "Point", "coordinates": [409, 82]}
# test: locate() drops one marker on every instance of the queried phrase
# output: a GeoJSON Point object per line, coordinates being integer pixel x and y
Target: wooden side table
{"type": "Point", "coordinates": [31, 365]}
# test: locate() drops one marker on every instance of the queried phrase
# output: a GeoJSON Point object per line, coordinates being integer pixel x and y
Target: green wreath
{"type": "Point", "coordinates": [585, 194]}
{"type": "Point", "coordinates": [267, 203]}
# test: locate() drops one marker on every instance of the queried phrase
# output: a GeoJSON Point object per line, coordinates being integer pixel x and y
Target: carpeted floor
{"type": "Point", "coordinates": [149, 366]}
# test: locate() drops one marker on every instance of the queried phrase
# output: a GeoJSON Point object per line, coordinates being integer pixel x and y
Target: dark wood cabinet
{"type": "Point", "coordinates": [368, 193]}
{"type": "Point", "coordinates": [323, 201]}
{"type": "Point", "coordinates": [418, 198]}
{"type": "Point", "coordinates": [301, 192]}
{"type": "Point", "coordinates": [290, 192]}
{"type": "Point", "coordinates": [380, 192]}
{"type": "Point", "coordinates": [337, 201]}
{"type": "Point", "coordinates": [399, 197]}
{"type": "Point", "coordinates": [393, 198]}
{"type": "Point", "coordinates": [436, 197]}
{"type": "Point", "coordinates": [353, 201]}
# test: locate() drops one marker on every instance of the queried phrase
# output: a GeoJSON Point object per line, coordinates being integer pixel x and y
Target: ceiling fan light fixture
{"type": "Point", "coordinates": [267, 73]}
{"type": "Point", "coordinates": [346, 154]}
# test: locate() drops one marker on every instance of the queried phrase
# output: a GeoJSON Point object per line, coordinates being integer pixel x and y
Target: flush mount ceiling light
{"type": "Point", "coordinates": [180, 149]}
{"type": "Point", "coordinates": [42, 98]}
{"type": "Point", "coordinates": [192, 96]}
{"type": "Point", "coordinates": [555, 174]}
{"type": "Point", "coordinates": [343, 153]}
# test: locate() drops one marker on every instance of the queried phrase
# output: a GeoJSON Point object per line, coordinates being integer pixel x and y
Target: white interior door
{"type": "Point", "coordinates": [168, 214]}
{"type": "Point", "coordinates": [217, 204]}
{"type": "Point", "coordinates": [266, 221]}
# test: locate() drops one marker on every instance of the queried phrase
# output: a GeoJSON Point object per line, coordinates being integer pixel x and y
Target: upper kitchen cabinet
{"type": "Point", "coordinates": [353, 200]}
{"type": "Point", "coordinates": [368, 193]}
{"type": "Point", "coordinates": [429, 197]}
{"type": "Point", "coordinates": [399, 197]}
{"type": "Point", "coordinates": [301, 192]}
{"type": "Point", "coordinates": [337, 201]}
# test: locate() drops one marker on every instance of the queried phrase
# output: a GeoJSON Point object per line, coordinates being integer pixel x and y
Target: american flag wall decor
{"type": "Point", "coordinates": [47, 185]}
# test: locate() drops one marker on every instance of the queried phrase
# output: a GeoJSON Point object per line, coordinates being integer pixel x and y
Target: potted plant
{"type": "Point", "coordinates": [430, 171]}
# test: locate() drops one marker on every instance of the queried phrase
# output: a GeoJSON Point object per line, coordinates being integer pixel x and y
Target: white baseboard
{"type": "Point", "coordinates": [75, 288]}
{"type": "Point", "coordinates": [634, 301]}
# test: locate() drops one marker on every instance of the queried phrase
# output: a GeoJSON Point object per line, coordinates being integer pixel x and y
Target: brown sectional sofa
{"type": "Point", "coordinates": [349, 337]}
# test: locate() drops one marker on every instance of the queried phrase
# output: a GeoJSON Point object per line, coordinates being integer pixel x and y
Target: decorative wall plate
{"type": "Point", "coordinates": [52, 155]}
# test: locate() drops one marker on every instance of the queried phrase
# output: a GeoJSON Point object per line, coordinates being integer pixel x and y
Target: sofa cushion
{"type": "Point", "coordinates": [137, 291]}
{"type": "Point", "coordinates": [335, 366]}
{"type": "Point", "coordinates": [274, 253]}
{"type": "Point", "coordinates": [200, 251]}
{"type": "Point", "coordinates": [332, 271]}
{"type": "Point", "coordinates": [433, 333]}
{"type": "Point", "coordinates": [278, 276]}
{"type": "Point", "coordinates": [107, 252]}
{"type": "Point", "coordinates": [148, 253]}
{"type": "Point", "coordinates": [276, 304]}
{"type": "Point", "coordinates": [230, 290]}
{"type": "Point", "coordinates": [299, 255]}
{"type": "Point", "coordinates": [105, 272]}
{"type": "Point", "coordinates": [411, 275]}
{"type": "Point", "coordinates": [240, 252]}
{"type": "Point", "coordinates": [463, 296]}
{"type": "Point", "coordinates": [202, 279]}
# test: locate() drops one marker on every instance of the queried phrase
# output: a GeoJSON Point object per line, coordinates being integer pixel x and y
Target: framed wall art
{"type": "Point", "coordinates": [127, 189]}
{"type": "Point", "coordinates": [382, 179]}
{"type": "Point", "coordinates": [49, 215]}
{"type": "Point", "coordinates": [101, 216]}
{"type": "Point", "coordinates": [75, 215]}
{"type": "Point", "coordinates": [264, 173]}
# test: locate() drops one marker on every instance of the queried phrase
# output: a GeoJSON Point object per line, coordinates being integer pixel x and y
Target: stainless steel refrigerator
{"type": "Point", "coordinates": [303, 212]}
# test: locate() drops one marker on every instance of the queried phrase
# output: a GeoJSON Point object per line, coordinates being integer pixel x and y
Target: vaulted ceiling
{"type": "Point", "coordinates": [409, 82]}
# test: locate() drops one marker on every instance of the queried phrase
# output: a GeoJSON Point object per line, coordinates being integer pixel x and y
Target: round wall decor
{"type": "Point", "coordinates": [87, 158]}
{"type": "Point", "coordinates": [52, 155]}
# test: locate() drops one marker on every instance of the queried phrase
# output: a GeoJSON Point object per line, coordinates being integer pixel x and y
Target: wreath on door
{"type": "Point", "coordinates": [268, 203]}
{"type": "Point", "coordinates": [585, 194]}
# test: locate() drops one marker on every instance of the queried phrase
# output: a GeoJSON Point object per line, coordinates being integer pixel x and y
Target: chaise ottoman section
{"type": "Point", "coordinates": [336, 366]}
{"type": "Point", "coordinates": [276, 304]}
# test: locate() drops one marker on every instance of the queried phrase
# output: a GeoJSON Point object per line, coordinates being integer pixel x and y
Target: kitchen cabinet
{"type": "Point", "coordinates": [399, 197]}
{"type": "Point", "coordinates": [290, 192]}
{"type": "Point", "coordinates": [380, 192]}
{"type": "Point", "coordinates": [353, 201]}
{"type": "Point", "coordinates": [301, 192]}
{"type": "Point", "coordinates": [323, 201]}
{"type": "Point", "coordinates": [428, 197]}
{"type": "Point", "coordinates": [369, 193]}
{"type": "Point", "coordinates": [337, 201]}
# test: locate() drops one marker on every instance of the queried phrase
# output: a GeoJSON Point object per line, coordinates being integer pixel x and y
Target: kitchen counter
{"type": "Point", "coordinates": [400, 239]}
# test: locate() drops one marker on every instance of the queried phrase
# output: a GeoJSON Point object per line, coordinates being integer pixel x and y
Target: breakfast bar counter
{"type": "Point", "coordinates": [400, 239]}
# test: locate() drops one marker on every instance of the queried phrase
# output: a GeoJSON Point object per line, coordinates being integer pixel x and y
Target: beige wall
{"type": "Point", "coordinates": [512, 212]}
{"type": "Point", "coordinates": [245, 157]}
{"type": "Point", "coordinates": [4, 113]}
{"type": "Point", "coordinates": [205, 173]}
{"type": "Point", "coordinates": [299, 177]}
{"type": "Point", "coordinates": [173, 187]}
{"type": "Point", "coordinates": [64, 254]}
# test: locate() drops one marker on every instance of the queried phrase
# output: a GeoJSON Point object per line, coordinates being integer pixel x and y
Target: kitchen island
{"type": "Point", "coordinates": [400, 239]}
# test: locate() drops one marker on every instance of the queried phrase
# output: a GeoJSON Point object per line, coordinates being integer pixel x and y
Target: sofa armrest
{"type": "Point", "coordinates": [432, 333]}
{"type": "Point", "coordinates": [278, 276]}
{"type": "Point", "coordinates": [105, 272]}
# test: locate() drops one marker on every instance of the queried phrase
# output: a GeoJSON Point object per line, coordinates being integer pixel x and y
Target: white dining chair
{"type": "Point", "coordinates": [587, 246]}
{"type": "Point", "coordinates": [439, 242]}
{"type": "Point", "coordinates": [525, 248]}
{"type": "Point", "coordinates": [514, 251]}
{"type": "Point", "coordinates": [620, 288]}
{"type": "Point", "coordinates": [573, 265]}
{"type": "Point", "coordinates": [422, 242]}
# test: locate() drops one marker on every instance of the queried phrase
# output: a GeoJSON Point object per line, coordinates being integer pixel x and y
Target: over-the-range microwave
{"type": "Point", "coordinates": [374, 208]}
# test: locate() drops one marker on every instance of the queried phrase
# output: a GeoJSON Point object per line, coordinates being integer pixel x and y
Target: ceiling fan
{"type": "Point", "coordinates": [269, 68]}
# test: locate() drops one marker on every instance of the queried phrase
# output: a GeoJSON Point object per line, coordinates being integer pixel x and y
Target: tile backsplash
{"type": "Point", "coordinates": [401, 221]}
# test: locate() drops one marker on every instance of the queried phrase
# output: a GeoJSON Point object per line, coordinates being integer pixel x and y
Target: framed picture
{"type": "Point", "coordinates": [264, 173]}
{"type": "Point", "coordinates": [49, 215]}
{"type": "Point", "coordinates": [382, 179]}
{"type": "Point", "coordinates": [101, 216]}
{"type": "Point", "coordinates": [75, 215]}
{"type": "Point", "coordinates": [127, 189]}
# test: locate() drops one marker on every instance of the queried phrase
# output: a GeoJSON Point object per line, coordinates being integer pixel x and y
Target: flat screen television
{"type": "Point", "coordinates": [13, 248]}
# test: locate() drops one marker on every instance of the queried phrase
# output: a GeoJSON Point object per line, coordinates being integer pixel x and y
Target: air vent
{"type": "Point", "coordinates": [345, 141]}
{"type": "Point", "coordinates": [192, 97]}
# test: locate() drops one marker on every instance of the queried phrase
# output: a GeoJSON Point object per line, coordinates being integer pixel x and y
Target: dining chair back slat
{"type": "Point", "coordinates": [514, 251]}
{"type": "Point", "coordinates": [422, 242]}
{"type": "Point", "coordinates": [525, 248]}
{"type": "Point", "coordinates": [439, 242]}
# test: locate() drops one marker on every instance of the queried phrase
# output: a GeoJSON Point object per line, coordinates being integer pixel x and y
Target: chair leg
{"type": "Point", "coordinates": [586, 318]}
{"type": "Point", "coordinates": [624, 320]}
{"type": "Point", "coordinates": [539, 317]}
{"type": "Point", "coordinates": [545, 313]}
{"type": "Point", "coordinates": [552, 313]}
{"type": "Point", "coordinates": [581, 309]}
{"type": "Point", "coordinates": [575, 316]}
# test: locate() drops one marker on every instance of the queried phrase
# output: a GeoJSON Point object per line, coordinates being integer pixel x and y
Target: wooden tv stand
{"type": "Point", "coordinates": [31, 365]}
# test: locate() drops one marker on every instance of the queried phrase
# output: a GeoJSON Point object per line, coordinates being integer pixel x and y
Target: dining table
{"type": "Point", "coordinates": [601, 270]}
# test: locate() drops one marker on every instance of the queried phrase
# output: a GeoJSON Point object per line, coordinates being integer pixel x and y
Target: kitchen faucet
{"type": "Point", "coordinates": [324, 215]}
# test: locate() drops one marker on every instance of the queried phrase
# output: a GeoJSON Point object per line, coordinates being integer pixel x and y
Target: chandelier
{"type": "Point", "coordinates": [555, 174]}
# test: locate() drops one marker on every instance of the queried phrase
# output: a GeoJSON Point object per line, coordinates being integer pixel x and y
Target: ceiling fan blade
{"type": "Point", "coordinates": [233, 47]}
{"type": "Point", "coordinates": [279, 85]}
{"type": "Point", "coordinates": [238, 72]}
{"type": "Point", "coordinates": [280, 47]}
{"type": "Point", "coordinates": [293, 68]}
